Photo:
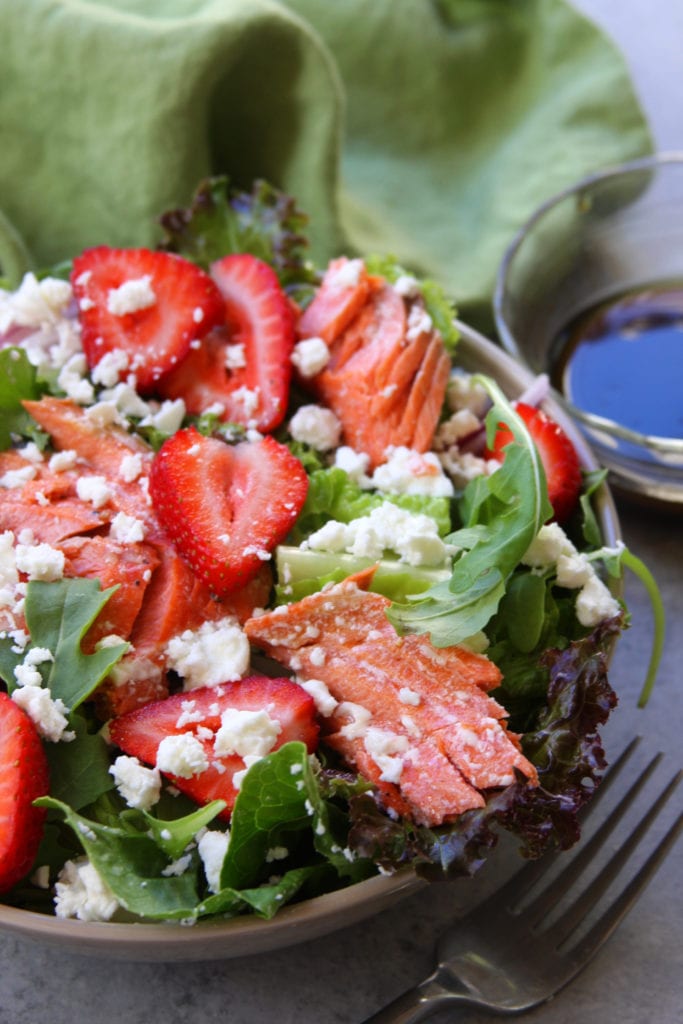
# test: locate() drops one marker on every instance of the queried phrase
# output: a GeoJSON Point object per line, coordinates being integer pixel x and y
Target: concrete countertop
{"type": "Point", "coordinates": [344, 977]}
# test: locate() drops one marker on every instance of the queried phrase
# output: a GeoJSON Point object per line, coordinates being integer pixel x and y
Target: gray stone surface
{"type": "Point", "coordinates": [344, 977]}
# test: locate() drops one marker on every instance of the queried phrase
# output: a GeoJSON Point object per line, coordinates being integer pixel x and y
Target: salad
{"type": "Point", "coordinates": [286, 598]}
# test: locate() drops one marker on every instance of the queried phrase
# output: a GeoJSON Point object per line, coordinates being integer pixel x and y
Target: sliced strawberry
{"type": "Point", "coordinates": [226, 508]}
{"type": "Point", "coordinates": [23, 778]}
{"type": "Point", "coordinates": [558, 455]}
{"type": "Point", "coordinates": [200, 712]}
{"type": "Point", "coordinates": [246, 367]}
{"type": "Point", "coordinates": [148, 305]}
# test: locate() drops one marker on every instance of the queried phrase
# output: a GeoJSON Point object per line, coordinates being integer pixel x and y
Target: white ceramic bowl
{"type": "Point", "coordinates": [313, 918]}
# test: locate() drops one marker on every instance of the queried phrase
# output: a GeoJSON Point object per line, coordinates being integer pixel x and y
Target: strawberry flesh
{"type": "Point", "coordinates": [246, 366]}
{"type": "Point", "coordinates": [226, 508]}
{"type": "Point", "coordinates": [149, 305]}
{"type": "Point", "coordinates": [558, 455]}
{"type": "Point", "coordinates": [23, 778]}
{"type": "Point", "coordinates": [140, 732]}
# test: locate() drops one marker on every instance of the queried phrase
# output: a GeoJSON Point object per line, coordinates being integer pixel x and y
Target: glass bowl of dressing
{"type": "Point", "coordinates": [590, 293]}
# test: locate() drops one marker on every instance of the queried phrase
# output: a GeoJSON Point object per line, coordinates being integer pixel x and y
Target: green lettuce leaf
{"type": "Point", "coordinates": [332, 494]}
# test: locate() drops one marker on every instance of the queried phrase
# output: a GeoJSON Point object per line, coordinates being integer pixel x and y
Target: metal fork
{"type": "Point", "coordinates": [511, 953]}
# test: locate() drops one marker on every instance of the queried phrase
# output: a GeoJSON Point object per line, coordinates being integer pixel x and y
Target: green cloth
{"type": "Point", "coordinates": [425, 129]}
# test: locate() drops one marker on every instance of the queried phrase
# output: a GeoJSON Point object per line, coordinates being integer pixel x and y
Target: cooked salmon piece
{"type": "Point", "coordinates": [129, 567]}
{"type": "Point", "coordinates": [33, 497]}
{"type": "Point", "coordinates": [418, 721]}
{"type": "Point", "coordinates": [388, 369]}
{"type": "Point", "coordinates": [102, 451]}
{"type": "Point", "coordinates": [341, 297]}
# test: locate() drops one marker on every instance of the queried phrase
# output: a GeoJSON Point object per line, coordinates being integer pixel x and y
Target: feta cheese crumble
{"type": "Point", "coordinates": [317, 426]}
{"type": "Point", "coordinates": [182, 755]}
{"type": "Point", "coordinates": [217, 652]}
{"type": "Point", "coordinates": [131, 296]}
{"type": "Point", "coordinates": [410, 472]}
{"type": "Point", "coordinates": [414, 537]}
{"type": "Point", "coordinates": [139, 786]}
{"type": "Point", "coordinates": [81, 892]}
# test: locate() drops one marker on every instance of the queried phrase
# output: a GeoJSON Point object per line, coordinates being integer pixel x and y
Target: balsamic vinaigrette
{"type": "Point", "coordinates": [623, 359]}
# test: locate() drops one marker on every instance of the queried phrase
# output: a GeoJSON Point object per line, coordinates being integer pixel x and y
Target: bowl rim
{"type": "Point", "coordinates": [320, 915]}
{"type": "Point", "coordinates": [666, 447]}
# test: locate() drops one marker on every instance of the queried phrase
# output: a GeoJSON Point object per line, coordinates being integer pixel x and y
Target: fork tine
{"type": "Point", "coordinates": [512, 892]}
{"type": "Point", "coordinates": [586, 855]}
{"type": "Point", "coordinates": [604, 927]}
{"type": "Point", "coordinates": [564, 927]}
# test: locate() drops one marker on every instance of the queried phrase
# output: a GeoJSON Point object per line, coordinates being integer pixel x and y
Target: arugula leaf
{"type": "Point", "coordinates": [501, 514]}
{"type": "Point", "coordinates": [221, 220]}
{"type": "Point", "coordinates": [58, 615]}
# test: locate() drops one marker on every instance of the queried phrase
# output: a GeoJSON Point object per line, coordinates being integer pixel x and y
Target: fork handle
{"type": "Point", "coordinates": [419, 1002]}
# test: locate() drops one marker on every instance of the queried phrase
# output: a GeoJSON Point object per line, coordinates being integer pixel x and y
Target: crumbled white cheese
{"type": "Point", "coordinates": [545, 549]}
{"type": "Point", "coordinates": [359, 717]}
{"type": "Point", "coordinates": [414, 537]}
{"type": "Point", "coordinates": [235, 356]}
{"type": "Point", "coordinates": [94, 489]}
{"type": "Point", "coordinates": [131, 467]}
{"type": "Point", "coordinates": [61, 461]}
{"type": "Point", "coordinates": [346, 274]}
{"type": "Point", "coordinates": [248, 399]}
{"type": "Point", "coordinates": [246, 733]}
{"type": "Point", "coordinates": [131, 296]}
{"type": "Point", "coordinates": [40, 561]}
{"type": "Point", "coordinates": [552, 550]}
{"type": "Point", "coordinates": [47, 714]}
{"type": "Point", "coordinates": [217, 652]}
{"type": "Point", "coordinates": [310, 356]}
{"type": "Point", "coordinates": [167, 417]}
{"type": "Point", "coordinates": [463, 392]}
{"type": "Point", "coordinates": [387, 749]}
{"type": "Point", "coordinates": [81, 892]}
{"type": "Point", "coordinates": [410, 472]}
{"type": "Point", "coordinates": [594, 603]}
{"type": "Point", "coordinates": [110, 367]}
{"type": "Point", "coordinates": [14, 478]}
{"type": "Point", "coordinates": [325, 703]}
{"type": "Point", "coordinates": [139, 786]}
{"type": "Point", "coordinates": [355, 464]}
{"type": "Point", "coordinates": [182, 755]}
{"type": "Point", "coordinates": [73, 381]}
{"type": "Point", "coordinates": [317, 426]}
{"type": "Point", "coordinates": [213, 846]}
{"type": "Point", "coordinates": [127, 529]}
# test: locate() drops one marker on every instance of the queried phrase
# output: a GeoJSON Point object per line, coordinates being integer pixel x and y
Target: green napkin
{"type": "Point", "coordinates": [427, 130]}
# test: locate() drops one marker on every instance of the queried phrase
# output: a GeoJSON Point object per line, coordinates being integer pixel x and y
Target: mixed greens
{"type": "Point", "coordinates": [303, 826]}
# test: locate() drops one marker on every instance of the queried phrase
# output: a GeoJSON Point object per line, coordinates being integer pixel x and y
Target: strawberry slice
{"type": "Point", "coordinates": [226, 508]}
{"type": "Point", "coordinates": [245, 368]}
{"type": "Point", "coordinates": [283, 712]}
{"type": "Point", "coordinates": [147, 306]}
{"type": "Point", "coordinates": [558, 455]}
{"type": "Point", "coordinates": [23, 778]}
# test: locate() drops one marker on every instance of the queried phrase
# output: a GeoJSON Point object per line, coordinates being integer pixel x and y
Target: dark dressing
{"type": "Point", "coordinates": [623, 359]}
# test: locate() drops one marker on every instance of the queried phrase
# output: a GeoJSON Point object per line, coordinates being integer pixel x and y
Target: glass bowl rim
{"type": "Point", "coordinates": [661, 446]}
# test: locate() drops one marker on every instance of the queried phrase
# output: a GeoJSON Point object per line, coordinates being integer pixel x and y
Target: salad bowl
{"type": "Point", "coordinates": [311, 918]}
